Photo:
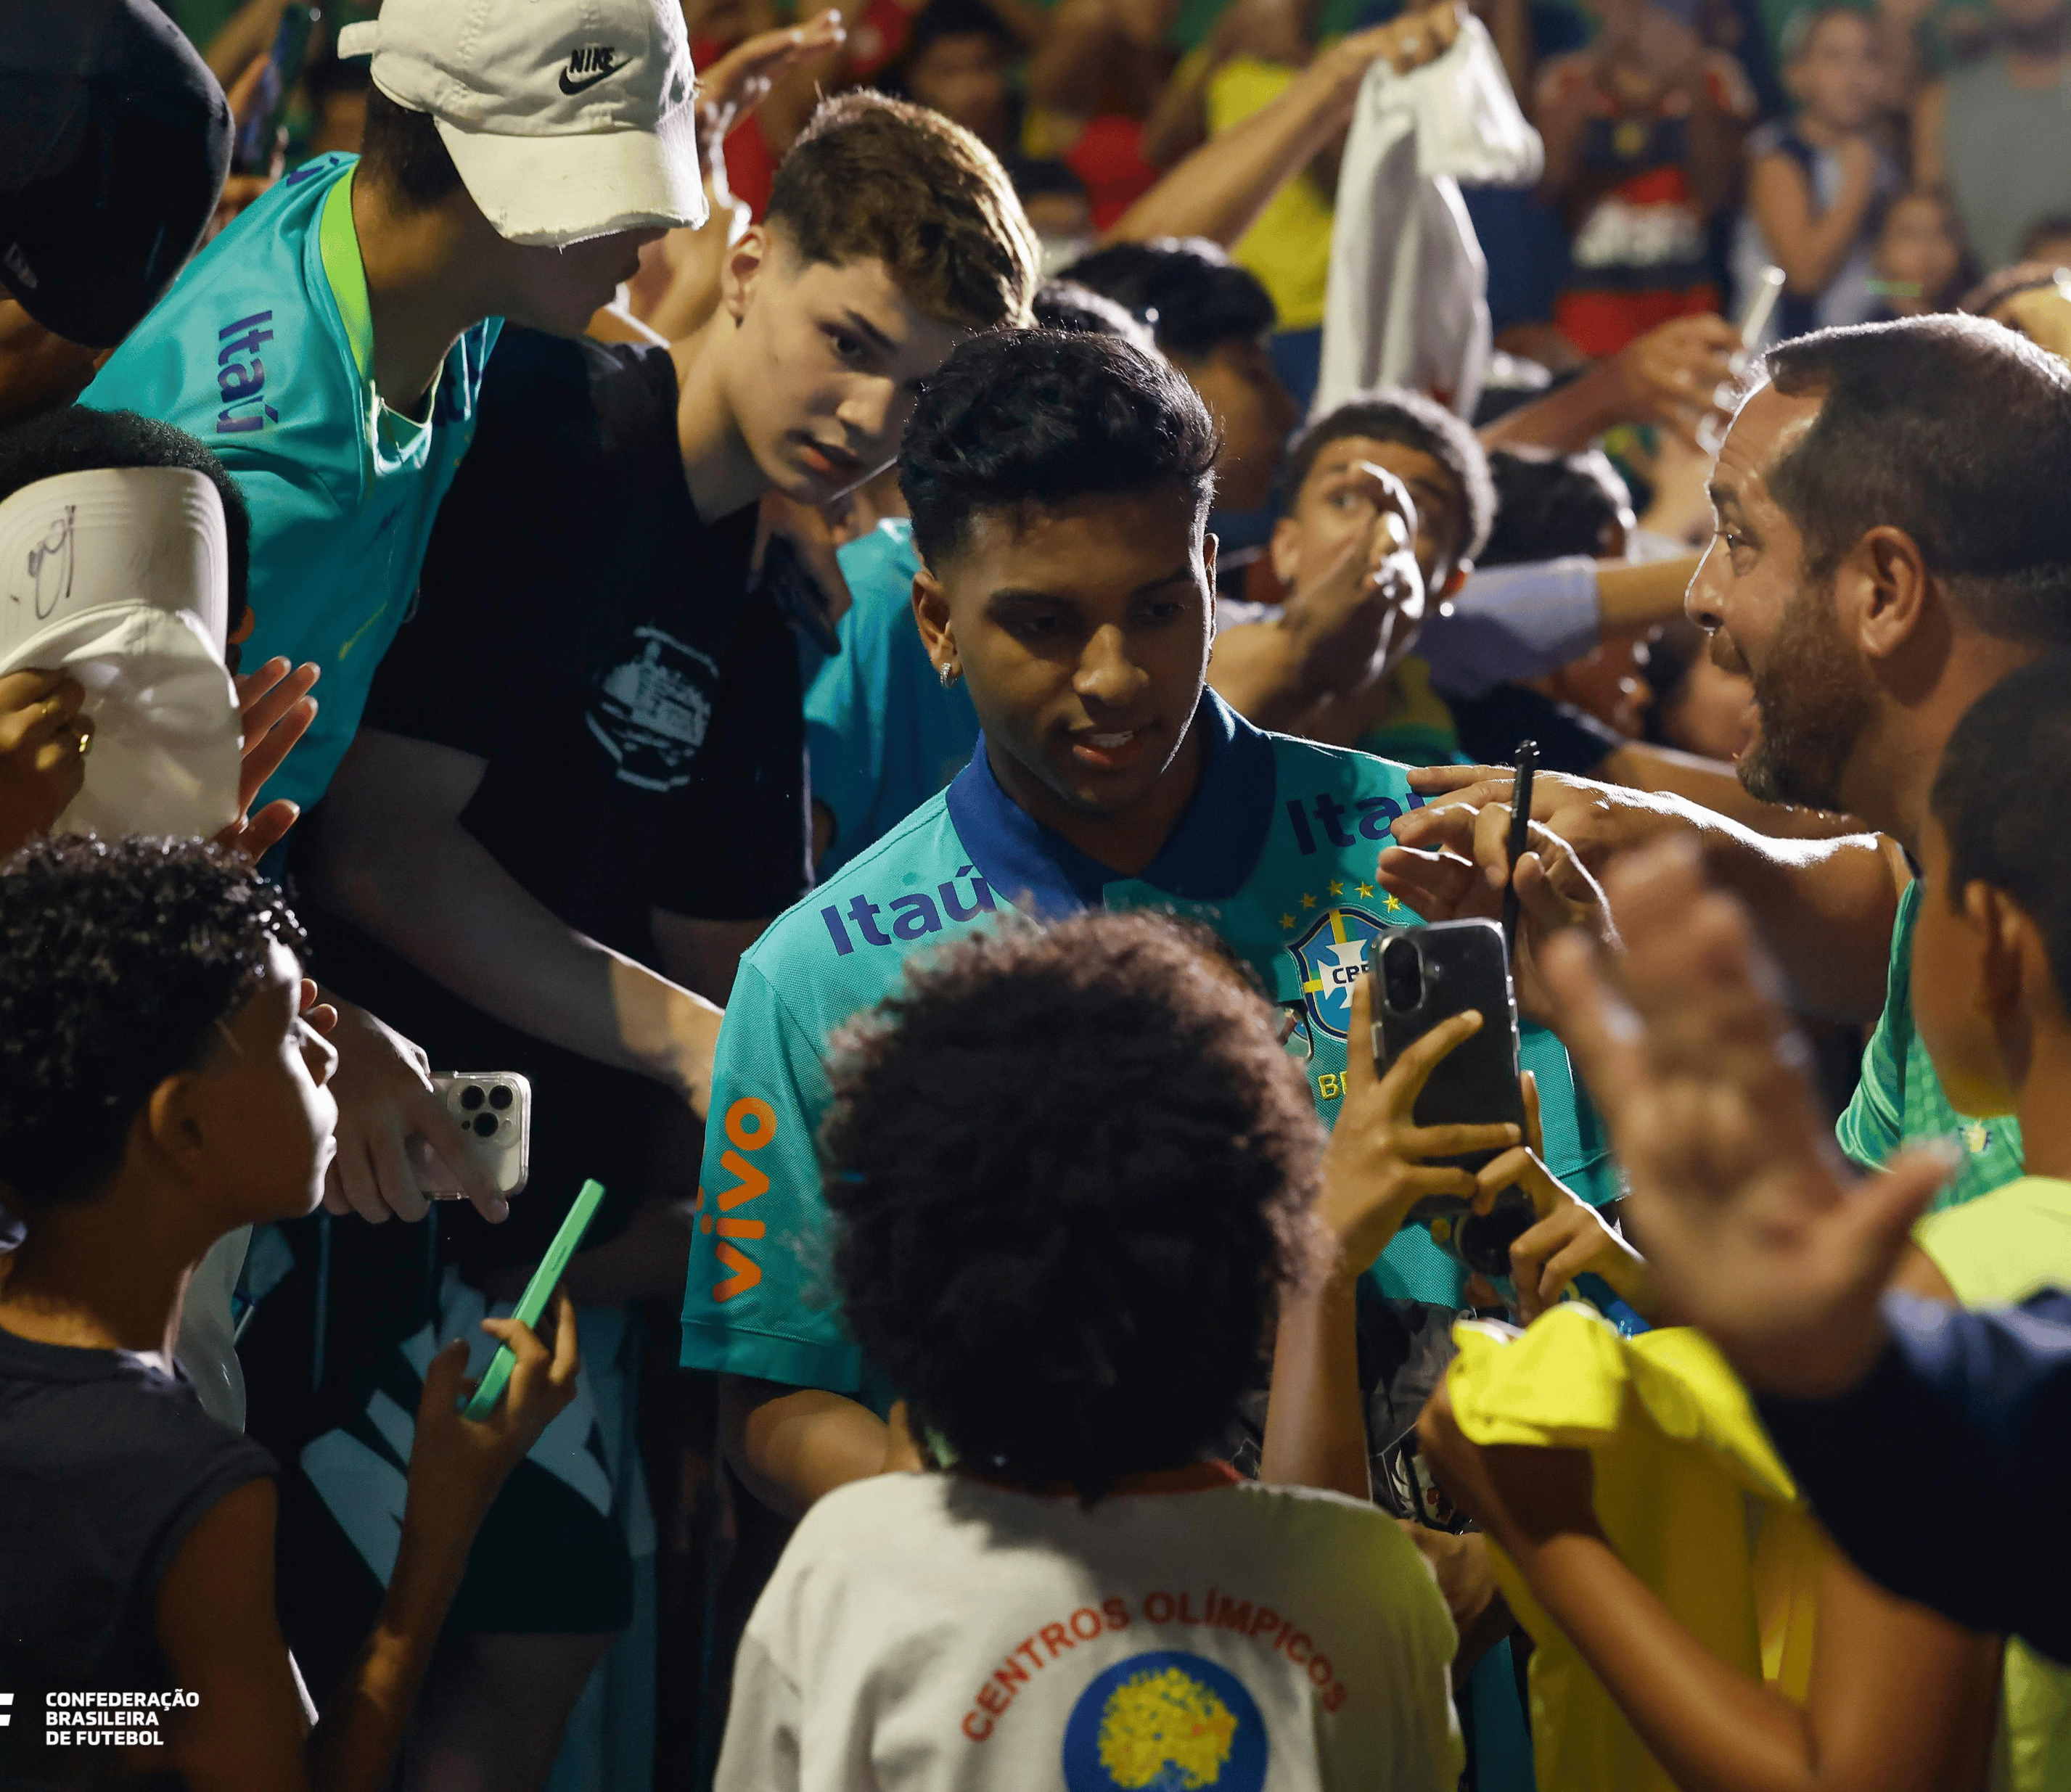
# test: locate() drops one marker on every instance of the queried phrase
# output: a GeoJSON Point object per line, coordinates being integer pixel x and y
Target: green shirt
{"type": "Point", "coordinates": [1899, 1101]}
{"type": "Point", "coordinates": [1276, 853]}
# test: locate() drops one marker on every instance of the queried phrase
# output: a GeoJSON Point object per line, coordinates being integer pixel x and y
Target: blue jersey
{"type": "Point", "coordinates": [1276, 853]}
{"type": "Point", "coordinates": [883, 734]}
{"type": "Point", "coordinates": [264, 349]}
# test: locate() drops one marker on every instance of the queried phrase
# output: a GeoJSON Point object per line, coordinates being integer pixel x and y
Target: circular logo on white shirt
{"type": "Point", "coordinates": [1162, 1721]}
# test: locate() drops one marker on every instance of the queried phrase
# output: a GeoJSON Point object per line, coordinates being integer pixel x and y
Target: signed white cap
{"type": "Point", "coordinates": [567, 119]}
{"type": "Point", "coordinates": [119, 577]}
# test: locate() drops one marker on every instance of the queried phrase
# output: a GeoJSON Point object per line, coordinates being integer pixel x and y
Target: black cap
{"type": "Point", "coordinates": [114, 142]}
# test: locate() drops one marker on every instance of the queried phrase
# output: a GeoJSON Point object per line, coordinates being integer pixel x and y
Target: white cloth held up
{"type": "Point", "coordinates": [1406, 303]}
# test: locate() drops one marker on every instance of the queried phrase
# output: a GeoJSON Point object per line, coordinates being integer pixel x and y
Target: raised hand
{"type": "Point", "coordinates": [1378, 1164]}
{"type": "Point", "coordinates": [1568, 1239]}
{"type": "Point", "coordinates": [276, 709]}
{"type": "Point", "coordinates": [1752, 1224]}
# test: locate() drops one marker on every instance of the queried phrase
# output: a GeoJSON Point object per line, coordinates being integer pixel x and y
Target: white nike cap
{"type": "Point", "coordinates": [567, 119]}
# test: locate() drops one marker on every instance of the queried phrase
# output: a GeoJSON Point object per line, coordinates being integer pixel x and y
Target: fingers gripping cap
{"type": "Point", "coordinates": [567, 119]}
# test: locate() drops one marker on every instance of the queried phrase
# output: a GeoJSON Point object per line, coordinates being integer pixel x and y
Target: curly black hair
{"type": "Point", "coordinates": [1019, 420]}
{"type": "Point", "coordinates": [1079, 311]}
{"type": "Point", "coordinates": [117, 957]}
{"type": "Point", "coordinates": [1071, 1170]}
{"type": "Point", "coordinates": [1396, 414]}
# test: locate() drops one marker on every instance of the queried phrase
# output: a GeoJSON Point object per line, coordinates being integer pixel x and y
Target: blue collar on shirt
{"type": "Point", "coordinates": [1208, 858]}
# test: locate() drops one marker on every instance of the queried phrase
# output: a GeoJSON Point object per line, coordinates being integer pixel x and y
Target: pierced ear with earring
{"type": "Point", "coordinates": [950, 673]}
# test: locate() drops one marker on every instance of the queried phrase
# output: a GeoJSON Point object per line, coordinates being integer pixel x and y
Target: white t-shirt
{"type": "Point", "coordinates": [930, 1632]}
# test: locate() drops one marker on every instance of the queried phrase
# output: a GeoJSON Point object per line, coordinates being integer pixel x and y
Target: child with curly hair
{"type": "Point", "coordinates": [162, 1082]}
{"type": "Point", "coordinates": [1071, 1171]}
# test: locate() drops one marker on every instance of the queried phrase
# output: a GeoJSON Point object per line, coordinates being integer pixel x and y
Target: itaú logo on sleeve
{"type": "Point", "coordinates": [913, 916]}
{"type": "Point", "coordinates": [750, 1124]}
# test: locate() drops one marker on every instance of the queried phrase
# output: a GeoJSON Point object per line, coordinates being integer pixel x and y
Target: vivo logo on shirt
{"type": "Point", "coordinates": [242, 383]}
{"type": "Point", "coordinates": [914, 916]}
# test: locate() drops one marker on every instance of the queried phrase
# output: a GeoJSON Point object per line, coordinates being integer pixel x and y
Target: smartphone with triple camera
{"type": "Point", "coordinates": [494, 1109]}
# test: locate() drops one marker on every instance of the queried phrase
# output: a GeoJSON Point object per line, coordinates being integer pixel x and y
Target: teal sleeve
{"type": "Point", "coordinates": [845, 715]}
{"type": "Point", "coordinates": [760, 1301]}
{"type": "Point", "coordinates": [1873, 1125]}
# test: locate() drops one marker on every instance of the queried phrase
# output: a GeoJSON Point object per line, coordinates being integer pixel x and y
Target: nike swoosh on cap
{"type": "Point", "coordinates": [571, 84]}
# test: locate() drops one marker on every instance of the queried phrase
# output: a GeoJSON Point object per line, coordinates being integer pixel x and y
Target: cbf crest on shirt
{"type": "Point", "coordinates": [1276, 855]}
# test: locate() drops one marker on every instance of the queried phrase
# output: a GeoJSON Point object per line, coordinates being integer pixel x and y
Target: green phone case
{"type": "Point", "coordinates": [532, 1303]}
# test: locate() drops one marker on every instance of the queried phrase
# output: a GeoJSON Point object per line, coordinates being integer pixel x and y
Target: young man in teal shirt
{"type": "Point", "coordinates": [329, 345]}
{"type": "Point", "coordinates": [1059, 489]}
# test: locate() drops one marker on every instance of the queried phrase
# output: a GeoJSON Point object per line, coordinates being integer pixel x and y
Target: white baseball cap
{"type": "Point", "coordinates": [567, 119]}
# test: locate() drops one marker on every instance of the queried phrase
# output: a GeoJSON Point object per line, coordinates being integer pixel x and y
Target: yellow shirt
{"type": "Point", "coordinates": [1689, 1493]}
{"type": "Point", "coordinates": [1289, 248]}
{"type": "Point", "coordinates": [1996, 1250]}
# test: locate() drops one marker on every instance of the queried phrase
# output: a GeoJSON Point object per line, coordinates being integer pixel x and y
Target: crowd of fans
{"type": "Point", "coordinates": [873, 618]}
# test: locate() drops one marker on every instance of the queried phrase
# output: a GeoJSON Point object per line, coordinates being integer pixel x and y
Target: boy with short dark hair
{"type": "Point", "coordinates": [554, 861]}
{"type": "Point", "coordinates": [1072, 1173]}
{"type": "Point", "coordinates": [1060, 486]}
{"type": "Point", "coordinates": [161, 1083]}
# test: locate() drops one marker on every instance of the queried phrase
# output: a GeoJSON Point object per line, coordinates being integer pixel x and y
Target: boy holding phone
{"type": "Point", "coordinates": [162, 1081]}
{"type": "Point", "coordinates": [1059, 489]}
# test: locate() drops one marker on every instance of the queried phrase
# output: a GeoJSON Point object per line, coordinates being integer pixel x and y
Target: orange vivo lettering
{"type": "Point", "coordinates": [754, 1107]}
{"type": "Point", "coordinates": [746, 1273]}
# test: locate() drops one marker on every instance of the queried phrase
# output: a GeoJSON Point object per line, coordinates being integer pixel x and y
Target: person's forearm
{"type": "Point", "coordinates": [1639, 593]}
{"type": "Point", "coordinates": [1315, 1419]}
{"type": "Point", "coordinates": [244, 34]}
{"type": "Point", "coordinates": [1219, 190]}
{"type": "Point", "coordinates": [354, 1745]}
{"type": "Point", "coordinates": [434, 894]}
{"type": "Point", "coordinates": [1965, 1412]}
{"type": "Point", "coordinates": [790, 1445]}
{"type": "Point", "coordinates": [651, 1257]}
{"type": "Point", "coordinates": [1568, 419]}
{"type": "Point", "coordinates": [1712, 1728]}
{"type": "Point", "coordinates": [1714, 150]}
{"type": "Point", "coordinates": [1824, 909]}
{"type": "Point", "coordinates": [1714, 784]}
{"type": "Point", "coordinates": [1810, 249]}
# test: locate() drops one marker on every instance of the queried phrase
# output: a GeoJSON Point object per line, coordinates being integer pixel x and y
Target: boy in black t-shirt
{"type": "Point", "coordinates": [577, 796]}
{"type": "Point", "coordinates": [161, 1083]}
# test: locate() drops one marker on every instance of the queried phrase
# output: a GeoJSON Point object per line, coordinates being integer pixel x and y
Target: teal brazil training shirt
{"type": "Point", "coordinates": [264, 349]}
{"type": "Point", "coordinates": [883, 733]}
{"type": "Point", "coordinates": [1276, 853]}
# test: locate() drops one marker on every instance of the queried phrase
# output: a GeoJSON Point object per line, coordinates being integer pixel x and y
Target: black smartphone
{"type": "Point", "coordinates": [1426, 974]}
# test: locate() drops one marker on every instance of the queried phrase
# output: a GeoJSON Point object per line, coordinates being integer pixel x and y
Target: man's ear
{"type": "Point", "coordinates": [931, 617]}
{"type": "Point", "coordinates": [1283, 548]}
{"type": "Point", "coordinates": [1455, 582]}
{"type": "Point", "coordinates": [1884, 594]}
{"type": "Point", "coordinates": [744, 263]}
{"type": "Point", "coordinates": [1210, 547]}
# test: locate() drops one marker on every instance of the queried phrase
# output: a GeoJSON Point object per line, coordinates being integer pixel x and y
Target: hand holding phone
{"type": "Point", "coordinates": [1381, 1163]}
{"type": "Point", "coordinates": [458, 1466]}
{"type": "Point", "coordinates": [494, 1109]}
{"type": "Point", "coordinates": [533, 1302]}
{"type": "Point", "coordinates": [1427, 976]}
